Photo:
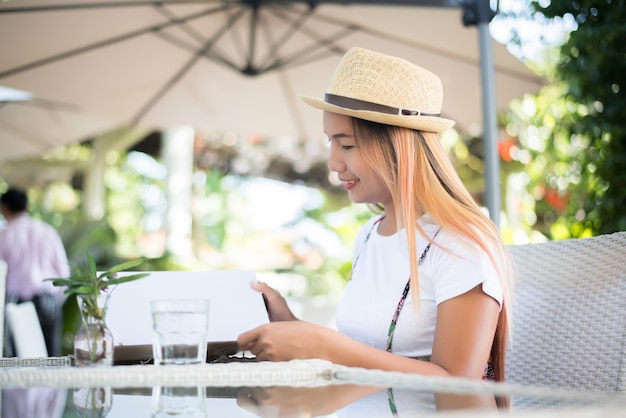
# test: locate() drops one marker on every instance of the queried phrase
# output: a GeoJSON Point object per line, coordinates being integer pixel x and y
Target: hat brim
{"type": "Point", "coordinates": [421, 123]}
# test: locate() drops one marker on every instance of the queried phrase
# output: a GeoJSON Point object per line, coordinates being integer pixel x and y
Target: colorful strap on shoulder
{"type": "Point", "coordinates": [367, 238]}
{"type": "Point", "coordinates": [405, 292]}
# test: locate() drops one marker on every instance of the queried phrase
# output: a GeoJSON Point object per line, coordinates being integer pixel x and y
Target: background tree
{"type": "Point", "coordinates": [593, 66]}
{"type": "Point", "coordinates": [575, 131]}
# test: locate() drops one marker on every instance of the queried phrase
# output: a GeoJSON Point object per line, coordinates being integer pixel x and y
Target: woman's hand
{"type": "Point", "coordinates": [275, 303]}
{"type": "Point", "coordinates": [288, 340]}
{"type": "Point", "coordinates": [291, 402]}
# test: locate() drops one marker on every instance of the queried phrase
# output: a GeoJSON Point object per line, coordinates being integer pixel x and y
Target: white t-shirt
{"type": "Point", "coordinates": [380, 275]}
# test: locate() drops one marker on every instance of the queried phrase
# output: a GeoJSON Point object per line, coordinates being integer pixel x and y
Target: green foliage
{"type": "Point", "coordinates": [95, 237]}
{"type": "Point", "coordinates": [549, 160]}
{"type": "Point", "coordinates": [166, 262]}
{"type": "Point", "coordinates": [570, 137]}
{"type": "Point", "coordinates": [214, 226]}
{"type": "Point", "coordinates": [126, 206]}
{"type": "Point", "coordinates": [592, 71]}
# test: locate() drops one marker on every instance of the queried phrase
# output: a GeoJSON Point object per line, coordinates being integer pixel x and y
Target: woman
{"type": "Point", "coordinates": [429, 291]}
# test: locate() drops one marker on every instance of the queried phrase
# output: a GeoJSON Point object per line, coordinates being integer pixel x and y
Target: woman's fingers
{"type": "Point", "coordinates": [275, 303]}
{"type": "Point", "coordinates": [247, 339]}
{"type": "Point", "coordinates": [259, 286]}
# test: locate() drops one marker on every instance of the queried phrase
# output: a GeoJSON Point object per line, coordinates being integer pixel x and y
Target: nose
{"type": "Point", "coordinates": [335, 163]}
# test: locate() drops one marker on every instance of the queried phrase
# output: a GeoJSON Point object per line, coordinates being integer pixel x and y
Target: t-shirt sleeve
{"type": "Point", "coordinates": [459, 267]}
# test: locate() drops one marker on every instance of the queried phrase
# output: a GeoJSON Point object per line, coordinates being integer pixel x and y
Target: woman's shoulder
{"type": "Point", "coordinates": [456, 242]}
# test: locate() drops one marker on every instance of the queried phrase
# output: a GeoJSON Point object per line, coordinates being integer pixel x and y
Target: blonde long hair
{"type": "Point", "coordinates": [422, 180]}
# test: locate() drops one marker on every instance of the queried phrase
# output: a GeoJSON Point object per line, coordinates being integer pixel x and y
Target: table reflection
{"type": "Point", "coordinates": [92, 402]}
{"type": "Point", "coordinates": [33, 402]}
{"type": "Point", "coordinates": [182, 402]}
{"type": "Point", "coordinates": [302, 402]}
{"type": "Point", "coordinates": [339, 400]}
{"type": "Point", "coordinates": [146, 391]}
{"type": "Point", "coordinates": [348, 401]}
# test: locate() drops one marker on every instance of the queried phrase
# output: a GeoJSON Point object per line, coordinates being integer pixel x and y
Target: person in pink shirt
{"type": "Point", "coordinates": [33, 251]}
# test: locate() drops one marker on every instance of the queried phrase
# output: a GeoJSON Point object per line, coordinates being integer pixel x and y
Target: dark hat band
{"type": "Point", "coordinates": [357, 104]}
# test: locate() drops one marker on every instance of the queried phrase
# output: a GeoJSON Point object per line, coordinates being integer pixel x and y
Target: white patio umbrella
{"type": "Point", "coordinates": [32, 127]}
{"type": "Point", "coordinates": [234, 65]}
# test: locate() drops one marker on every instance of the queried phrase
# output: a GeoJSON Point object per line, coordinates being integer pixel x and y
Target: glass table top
{"type": "Point", "coordinates": [302, 388]}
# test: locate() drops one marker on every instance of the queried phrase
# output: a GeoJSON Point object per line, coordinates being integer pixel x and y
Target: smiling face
{"type": "Point", "coordinates": [363, 184]}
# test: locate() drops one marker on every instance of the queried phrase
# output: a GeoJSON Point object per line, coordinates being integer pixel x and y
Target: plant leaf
{"type": "Point", "coordinates": [83, 290]}
{"type": "Point", "coordinates": [124, 279]}
{"type": "Point", "coordinates": [125, 266]}
{"type": "Point", "coordinates": [92, 265]}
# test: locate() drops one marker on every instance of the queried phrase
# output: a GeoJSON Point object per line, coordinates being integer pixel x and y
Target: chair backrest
{"type": "Point", "coordinates": [26, 330]}
{"type": "Point", "coordinates": [569, 314]}
{"type": "Point", "coordinates": [3, 278]}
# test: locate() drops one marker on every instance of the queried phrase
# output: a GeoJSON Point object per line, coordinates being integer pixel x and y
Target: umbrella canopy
{"type": "Point", "coordinates": [231, 65]}
{"type": "Point", "coordinates": [35, 126]}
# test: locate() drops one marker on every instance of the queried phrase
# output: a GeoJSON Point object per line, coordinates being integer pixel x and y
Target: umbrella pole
{"type": "Point", "coordinates": [480, 13]}
{"type": "Point", "coordinates": [490, 125]}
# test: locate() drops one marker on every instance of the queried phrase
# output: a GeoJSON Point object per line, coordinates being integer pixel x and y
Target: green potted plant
{"type": "Point", "coordinates": [93, 343]}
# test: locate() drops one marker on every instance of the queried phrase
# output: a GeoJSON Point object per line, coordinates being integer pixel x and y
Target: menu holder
{"type": "Point", "coordinates": [142, 353]}
{"type": "Point", "coordinates": [234, 308]}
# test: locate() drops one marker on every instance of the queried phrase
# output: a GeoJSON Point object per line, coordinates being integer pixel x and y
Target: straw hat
{"type": "Point", "coordinates": [381, 88]}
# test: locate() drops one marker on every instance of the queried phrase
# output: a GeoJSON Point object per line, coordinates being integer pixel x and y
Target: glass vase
{"type": "Point", "coordinates": [93, 343]}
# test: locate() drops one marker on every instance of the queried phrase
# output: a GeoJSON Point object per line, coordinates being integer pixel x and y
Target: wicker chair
{"type": "Point", "coordinates": [3, 277]}
{"type": "Point", "coordinates": [25, 330]}
{"type": "Point", "coordinates": [569, 314]}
